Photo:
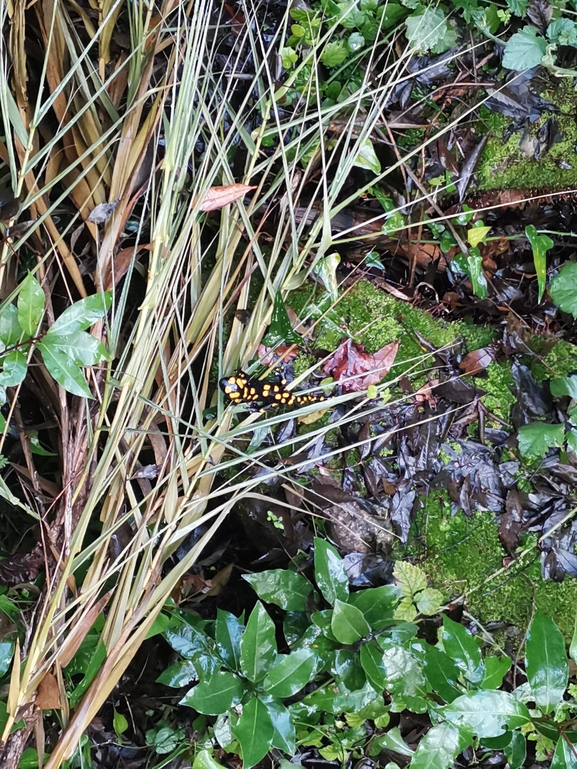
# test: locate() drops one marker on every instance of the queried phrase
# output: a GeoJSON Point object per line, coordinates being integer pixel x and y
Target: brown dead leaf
{"type": "Point", "coordinates": [218, 197]}
{"type": "Point", "coordinates": [356, 369]}
{"type": "Point", "coordinates": [477, 361]}
{"type": "Point", "coordinates": [48, 696]}
{"type": "Point", "coordinates": [423, 253]}
{"type": "Point", "coordinates": [271, 357]}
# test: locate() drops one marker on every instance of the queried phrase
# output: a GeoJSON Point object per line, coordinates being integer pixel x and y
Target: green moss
{"type": "Point", "coordinates": [559, 361]}
{"type": "Point", "coordinates": [499, 385]}
{"type": "Point", "coordinates": [463, 554]}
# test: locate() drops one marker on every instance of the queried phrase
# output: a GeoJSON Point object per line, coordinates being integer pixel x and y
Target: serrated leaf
{"type": "Point", "coordinates": [348, 624]}
{"type": "Point", "coordinates": [290, 673]}
{"type": "Point", "coordinates": [487, 713]}
{"type": "Point", "coordinates": [254, 732]}
{"type": "Point", "coordinates": [216, 695]}
{"type": "Point", "coordinates": [440, 747]}
{"type": "Point", "coordinates": [524, 50]}
{"type": "Point", "coordinates": [334, 53]}
{"type": "Point", "coordinates": [540, 244]}
{"type": "Point", "coordinates": [406, 610]}
{"type": "Point", "coordinates": [410, 579]}
{"type": "Point", "coordinates": [429, 601]}
{"type": "Point", "coordinates": [546, 662]}
{"type": "Point", "coordinates": [536, 439]}
{"type": "Point", "coordinates": [330, 573]}
{"type": "Point", "coordinates": [14, 369]}
{"type": "Point", "coordinates": [281, 587]}
{"type": "Point", "coordinates": [427, 29]}
{"type": "Point", "coordinates": [563, 288]}
{"type": "Point", "coordinates": [31, 301]}
{"type": "Point", "coordinates": [83, 314]}
{"type": "Point", "coordinates": [258, 644]}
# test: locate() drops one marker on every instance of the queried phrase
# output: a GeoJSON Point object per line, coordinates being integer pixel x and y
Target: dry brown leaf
{"type": "Point", "coordinates": [477, 361]}
{"type": "Point", "coordinates": [423, 253]}
{"type": "Point", "coordinates": [218, 197]}
{"type": "Point", "coordinates": [48, 697]}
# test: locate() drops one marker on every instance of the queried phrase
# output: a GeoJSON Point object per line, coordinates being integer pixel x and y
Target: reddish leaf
{"type": "Point", "coordinates": [270, 356]}
{"type": "Point", "coordinates": [218, 197]}
{"type": "Point", "coordinates": [357, 369]}
{"type": "Point", "coordinates": [477, 361]}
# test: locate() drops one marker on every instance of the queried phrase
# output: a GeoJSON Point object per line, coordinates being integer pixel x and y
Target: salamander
{"type": "Point", "coordinates": [239, 388]}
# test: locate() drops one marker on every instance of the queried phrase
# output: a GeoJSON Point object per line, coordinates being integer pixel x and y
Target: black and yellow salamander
{"type": "Point", "coordinates": [256, 392]}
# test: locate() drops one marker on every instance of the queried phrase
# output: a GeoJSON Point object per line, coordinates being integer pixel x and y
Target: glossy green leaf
{"type": "Point", "coordinates": [14, 369]}
{"type": "Point", "coordinates": [186, 640]}
{"type": "Point", "coordinates": [203, 759]}
{"type": "Point", "coordinates": [216, 695]}
{"type": "Point", "coordinates": [258, 644]}
{"type": "Point", "coordinates": [537, 438]}
{"type": "Point", "coordinates": [326, 270]}
{"type": "Point", "coordinates": [442, 673]}
{"type": "Point", "coordinates": [281, 587]}
{"type": "Point", "coordinates": [280, 330]}
{"type": "Point", "coordinates": [228, 632]}
{"type": "Point", "coordinates": [564, 756]}
{"type": "Point", "coordinates": [487, 713]}
{"type": "Point", "coordinates": [391, 740]}
{"type": "Point", "coordinates": [440, 747]}
{"type": "Point", "coordinates": [6, 654]}
{"type": "Point", "coordinates": [476, 235]}
{"type": "Point", "coordinates": [64, 370]}
{"type": "Point", "coordinates": [496, 668]}
{"type": "Point", "coordinates": [290, 673]}
{"type": "Point", "coordinates": [460, 645]}
{"type": "Point", "coordinates": [119, 722]}
{"type": "Point", "coordinates": [284, 730]}
{"type": "Point", "coordinates": [81, 347]}
{"type": "Point", "coordinates": [83, 314]}
{"type": "Point", "coordinates": [546, 662]}
{"type": "Point", "coordinates": [10, 329]}
{"type": "Point", "coordinates": [180, 674]}
{"type": "Point", "coordinates": [516, 750]}
{"type": "Point", "coordinates": [348, 623]}
{"type": "Point", "coordinates": [405, 675]}
{"type": "Point", "coordinates": [563, 288]}
{"type": "Point", "coordinates": [330, 572]}
{"type": "Point", "coordinates": [377, 604]}
{"type": "Point", "coordinates": [367, 157]}
{"type": "Point", "coordinates": [338, 699]}
{"type": "Point", "coordinates": [540, 244]}
{"type": "Point", "coordinates": [564, 385]}
{"type": "Point", "coordinates": [31, 301]}
{"type": "Point", "coordinates": [371, 656]}
{"type": "Point", "coordinates": [254, 732]}
{"type": "Point", "coordinates": [347, 669]}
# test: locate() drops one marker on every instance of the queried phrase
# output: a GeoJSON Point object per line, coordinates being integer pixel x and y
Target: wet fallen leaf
{"type": "Point", "coordinates": [423, 253]}
{"type": "Point", "coordinates": [477, 361]}
{"type": "Point", "coordinates": [218, 197]}
{"type": "Point", "coordinates": [356, 369]}
{"type": "Point", "coordinates": [100, 213]}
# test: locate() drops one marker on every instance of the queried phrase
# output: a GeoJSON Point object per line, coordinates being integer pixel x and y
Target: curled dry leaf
{"type": "Point", "coordinates": [357, 369]}
{"type": "Point", "coordinates": [218, 197]}
{"type": "Point", "coordinates": [477, 361]}
{"type": "Point", "coordinates": [48, 697]}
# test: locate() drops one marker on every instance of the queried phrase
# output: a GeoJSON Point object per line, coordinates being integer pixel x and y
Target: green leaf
{"type": "Point", "coordinates": [564, 385]}
{"type": "Point", "coordinates": [290, 673]}
{"type": "Point", "coordinates": [518, 7]}
{"type": "Point", "coordinates": [216, 695]}
{"type": "Point", "coordinates": [536, 439]}
{"type": "Point", "coordinates": [64, 370]}
{"type": "Point", "coordinates": [348, 624]}
{"type": "Point", "coordinates": [540, 245]}
{"type": "Point", "coordinates": [84, 349]}
{"type": "Point", "coordinates": [6, 654]}
{"type": "Point", "coordinates": [546, 662]}
{"type": "Point", "coordinates": [187, 640]}
{"type": "Point", "coordinates": [563, 288]}
{"type": "Point", "coordinates": [367, 157]}
{"type": "Point", "coordinates": [410, 579]}
{"type": "Point", "coordinates": [405, 675]}
{"type": "Point", "coordinates": [334, 53]}
{"type": "Point", "coordinates": [284, 730]}
{"type": "Point", "coordinates": [258, 644]}
{"type": "Point", "coordinates": [476, 273]}
{"type": "Point", "coordinates": [429, 601]}
{"type": "Point", "coordinates": [282, 587]}
{"type": "Point", "coordinates": [524, 50]}
{"type": "Point", "coordinates": [371, 657]}
{"type": "Point", "coordinates": [564, 756]}
{"type": "Point", "coordinates": [203, 759]}
{"type": "Point", "coordinates": [254, 732]}
{"type": "Point", "coordinates": [442, 673]}
{"type": "Point", "coordinates": [83, 314]}
{"type": "Point", "coordinates": [10, 329]}
{"type": "Point", "coordinates": [326, 270]}
{"type": "Point", "coordinates": [119, 722]}
{"type": "Point", "coordinates": [228, 632]}
{"type": "Point", "coordinates": [496, 669]}
{"type": "Point", "coordinates": [330, 572]}
{"type": "Point", "coordinates": [391, 740]}
{"type": "Point", "coordinates": [460, 645]}
{"type": "Point", "coordinates": [573, 644]}
{"type": "Point", "coordinates": [477, 235]}
{"type": "Point", "coordinates": [487, 713]}
{"type": "Point", "coordinates": [516, 751]}
{"type": "Point", "coordinates": [406, 610]}
{"type": "Point", "coordinates": [563, 31]}
{"type": "Point", "coordinates": [280, 330]}
{"type": "Point", "coordinates": [377, 604]}
{"type": "Point", "coordinates": [440, 747]}
{"type": "Point", "coordinates": [178, 675]}
{"type": "Point", "coordinates": [427, 29]}
{"type": "Point", "coordinates": [31, 301]}
{"type": "Point", "coordinates": [14, 369]}
{"type": "Point", "coordinates": [355, 42]}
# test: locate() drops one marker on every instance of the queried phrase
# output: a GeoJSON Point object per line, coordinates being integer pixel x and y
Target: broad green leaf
{"type": "Point", "coordinates": [427, 29]}
{"type": "Point", "coordinates": [13, 369]}
{"type": "Point", "coordinates": [203, 759]}
{"type": "Point", "coordinates": [367, 157]}
{"type": "Point", "coordinates": [254, 732]}
{"type": "Point", "coordinates": [330, 573]}
{"type": "Point", "coordinates": [546, 662]}
{"type": "Point", "coordinates": [377, 604]}
{"type": "Point", "coordinates": [518, 7]}
{"type": "Point", "coordinates": [487, 713]}
{"type": "Point", "coordinates": [564, 385]}
{"type": "Point", "coordinates": [476, 273]}
{"type": "Point", "coordinates": [284, 730]}
{"type": "Point", "coordinates": [429, 601]}
{"type": "Point", "coordinates": [460, 645]}
{"type": "Point", "coordinates": [6, 654]}
{"type": "Point", "coordinates": [391, 740]}
{"type": "Point", "coordinates": [406, 610]}
{"type": "Point", "coordinates": [334, 53]}
{"type": "Point", "coordinates": [516, 750]}
{"type": "Point", "coordinates": [440, 747]}
{"type": "Point", "coordinates": [282, 587]}
{"type": "Point", "coordinates": [536, 439]}
{"type": "Point", "coordinates": [348, 624]}
{"type": "Point", "coordinates": [338, 699]}
{"type": "Point", "coordinates": [186, 640]}
{"type": "Point", "coordinates": [31, 301]}
{"type": "Point", "coordinates": [442, 673]}
{"type": "Point", "coordinates": [216, 695]}
{"type": "Point", "coordinates": [562, 31]}
{"type": "Point", "coordinates": [119, 722]}
{"type": "Point", "coordinates": [258, 644]}
{"type": "Point", "coordinates": [495, 670]}
{"type": "Point", "coordinates": [228, 632]}
{"type": "Point", "coordinates": [476, 235]}
{"type": "Point", "coordinates": [64, 370]}
{"type": "Point", "coordinates": [371, 657]}
{"type": "Point", "coordinates": [564, 756]}
{"type": "Point", "coordinates": [180, 674]}
{"type": "Point", "coordinates": [83, 314]}
{"type": "Point", "coordinates": [290, 673]}
{"type": "Point", "coordinates": [84, 349]}
{"type": "Point", "coordinates": [540, 245]}
{"type": "Point", "coordinates": [10, 330]}
{"type": "Point", "coordinates": [347, 669]}
{"type": "Point", "coordinates": [524, 50]}
{"type": "Point", "coordinates": [405, 675]}
{"type": "Point", "coordinates": [280, 330]}
{"type": "Point", "coordinates": [563, 288]}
